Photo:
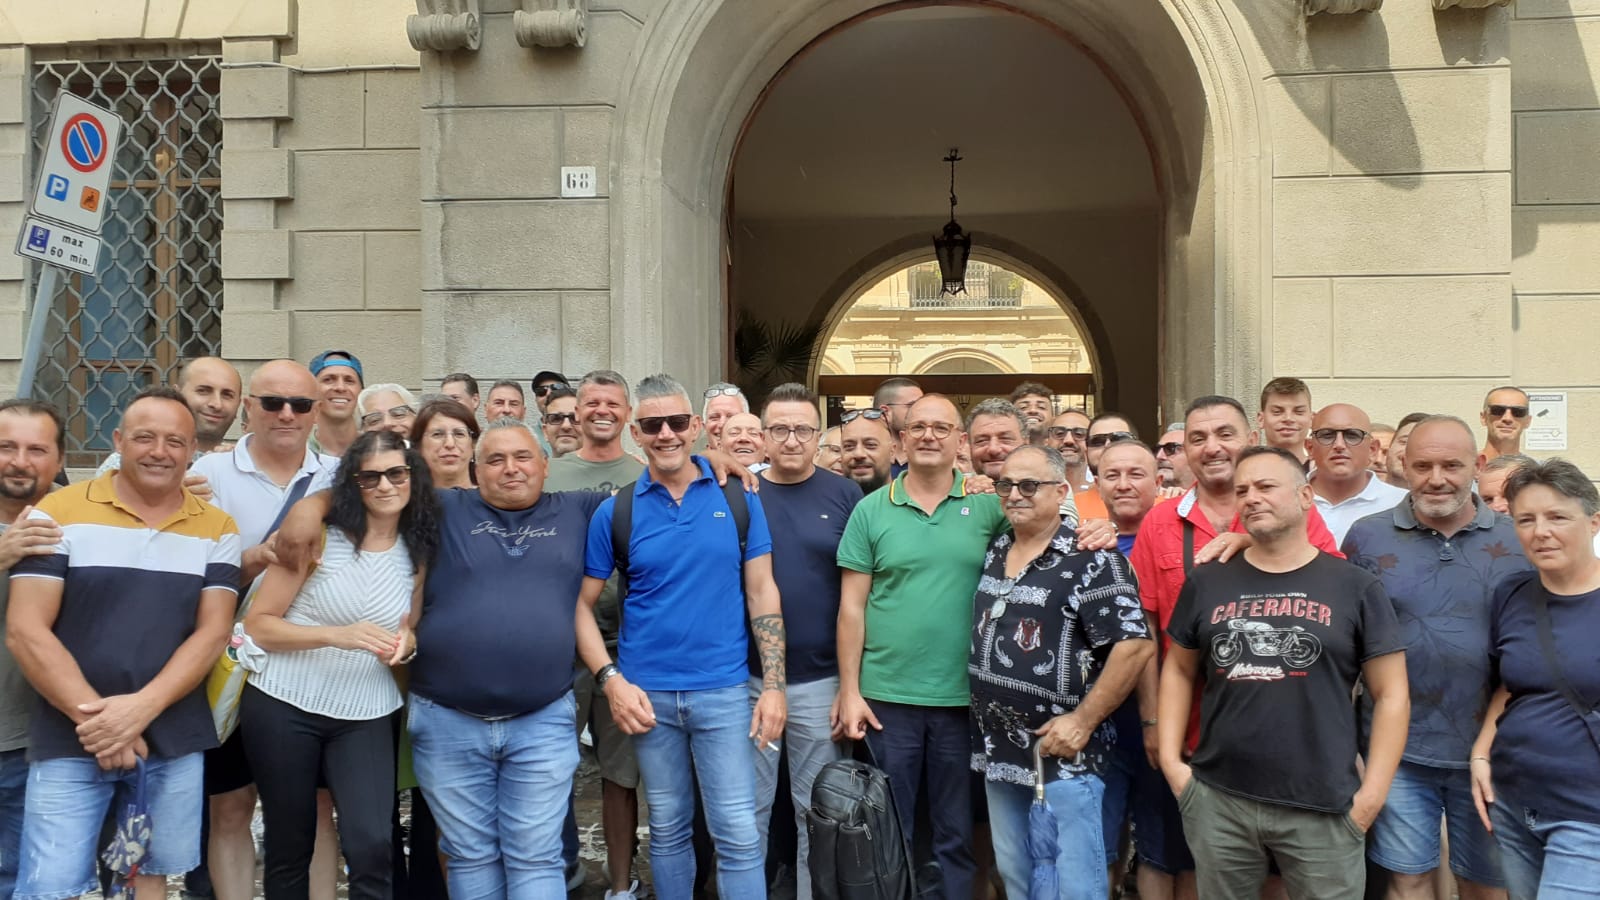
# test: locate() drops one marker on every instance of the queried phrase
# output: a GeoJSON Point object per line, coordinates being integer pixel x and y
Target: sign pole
{"type": "Point", "coordinates": [49, 278]}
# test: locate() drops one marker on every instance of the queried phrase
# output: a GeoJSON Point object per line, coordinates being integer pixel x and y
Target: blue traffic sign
{"type": "Point", "coordinates": [38, 238]}
{"type": "Point", "coordinates": [55, 187]}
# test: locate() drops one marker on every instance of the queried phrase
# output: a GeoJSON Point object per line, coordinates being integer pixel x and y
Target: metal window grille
{"type": "Point", "coordinates": [157, 296]}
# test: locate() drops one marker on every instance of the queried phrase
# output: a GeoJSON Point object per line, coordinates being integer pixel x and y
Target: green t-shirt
{"type": "Point", "coordinates": [925, 571]}
{"type": "Point", "coordinates": [573, 473]}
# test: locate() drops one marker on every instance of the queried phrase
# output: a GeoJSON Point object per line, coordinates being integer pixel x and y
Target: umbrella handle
{"type": "Point", "coordinates": [138, 789]}
{"type": "Point", "coordinates": [1038, 773]}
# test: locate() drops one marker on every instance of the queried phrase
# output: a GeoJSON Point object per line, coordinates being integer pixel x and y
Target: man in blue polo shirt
{"type": "Point", "coordinates": [679, 682]}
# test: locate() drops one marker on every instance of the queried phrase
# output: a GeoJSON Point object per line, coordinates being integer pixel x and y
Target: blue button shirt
{"type": "Point", "coordinates": [1443, 589]}
{"type": "Point", "coordinates": [683, 621]}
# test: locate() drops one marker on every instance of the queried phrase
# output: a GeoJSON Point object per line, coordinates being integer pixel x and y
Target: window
{"type": "Point", "coordinates": [157, 296]}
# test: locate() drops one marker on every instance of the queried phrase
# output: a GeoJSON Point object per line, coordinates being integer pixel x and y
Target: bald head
{"type": "Point", "coordinates": [211, 388]}
{"type": "Point", "coordinates": [1341, 415]}
{"type": "Point", "coordinates": [283, 377]}
{"type": "Point", "coordinates": [1342, 447]}
{"type": "Point", "coordinates": [270, 414]}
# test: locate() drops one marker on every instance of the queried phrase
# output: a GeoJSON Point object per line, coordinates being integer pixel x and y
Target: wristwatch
{"type": "Point", "coordinates": [605, 674]}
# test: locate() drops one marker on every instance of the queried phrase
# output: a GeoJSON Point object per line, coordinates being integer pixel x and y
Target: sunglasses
{"type": "Point", "coordinates": [722, 392]}
{"type": "Point", "coordinates": [801, 433]}
{"type": "Point", "coordinates": [367, 479]}
{"type": "Point", "coordinates": [549, 386]}
{"type": "Point", "coordinates": [652, 424]}
{"type": "Point", "coordinates": [1028, 486]}
{"type": "Point", "coordinates": [1517, 412]}
{"type": "Point", "coordinates": [1170, 448]}
{"type": "Point", "coordinates": [558, 418]}
{"type": "Point", "coordinates": [272, 403]}
{"type": "Point", "coordinates": [871, 415]}
{"type": "Point", "coordinates": [397, 413]}
{"type": "Point", "coordinates": [1060, 432]}
{"type": "Point", "coordinates": [1326, 436]}
{"type": "Point", "coordinates": [1111, 437]}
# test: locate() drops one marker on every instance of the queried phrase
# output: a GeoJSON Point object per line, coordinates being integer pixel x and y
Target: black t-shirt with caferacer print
{"type": "Point", "coordinates": [1280, 653]}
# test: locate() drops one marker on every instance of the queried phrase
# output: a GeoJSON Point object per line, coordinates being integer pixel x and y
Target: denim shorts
{"type": "Point", "coordinates": [67, 803]}
{"type": "Point", "coordinates": [1405, 836]}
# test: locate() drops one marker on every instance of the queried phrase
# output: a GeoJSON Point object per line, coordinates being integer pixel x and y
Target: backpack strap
{"type": "Point", "coordinates": [621, 534]}
{"type": "Point", "coordinates": [1188, 545]}
{"type": "Point", "coordinates": [1588, 712]}
{"type": "Point", "coordinates": [739, 507]}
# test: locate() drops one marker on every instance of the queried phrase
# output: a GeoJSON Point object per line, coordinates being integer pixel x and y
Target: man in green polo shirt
{"type": "Point", "coordinates": [912, 555]}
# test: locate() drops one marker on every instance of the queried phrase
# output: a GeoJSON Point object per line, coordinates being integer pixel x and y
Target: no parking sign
{"type": "Point", "coordinates": [78, 158]}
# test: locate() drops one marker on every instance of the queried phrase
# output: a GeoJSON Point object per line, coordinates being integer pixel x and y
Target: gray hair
{"type": "Point", "coordinates": [608, 378]}
{"type": "Point", "coordinates": [744, 402]}
{"type": "Point", "coordinates": [369, 391]}
{"type": "Point", "coordinates": [503, 423]}
{"type": "Point", "coordinates": [1440, 418]}
{"type": "Point", "coordinates": [507, 383]}
{"type": "Point", "coordinates": [662, 385]}
{"type": "Point", "coordinates": [997, 406]}
{"type": "Point", "coordinates": [1558, 475]}
{"type": "Point", "coordinates": [1506, 461]}
{"type": "Point", "coordinates": [1052, 458]}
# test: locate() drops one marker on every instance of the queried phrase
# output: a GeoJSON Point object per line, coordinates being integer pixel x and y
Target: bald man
{"type": "Point", "coordinates": [1343, 485]}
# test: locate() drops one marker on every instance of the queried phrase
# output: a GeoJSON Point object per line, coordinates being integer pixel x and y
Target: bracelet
{"type": "Point", "coordinates": [410, 656]}
{"type": "Point", "coordinates": [605, 673]}
{"type": "Point", "coordinates": [1147, 723]}
{"type": "Point", "coordinates": [1476, 758]}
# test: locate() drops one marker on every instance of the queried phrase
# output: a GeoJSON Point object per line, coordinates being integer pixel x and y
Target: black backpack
{"type": "Point", "coordinates": [622, 528]}
{"type": "Point", "coordinates": [858, 849]}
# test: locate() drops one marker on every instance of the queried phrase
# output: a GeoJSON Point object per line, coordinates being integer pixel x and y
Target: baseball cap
{"type": "Point", "coordinates": [336, 358]}
{"type": "Point", "coordinates": [547, 375]}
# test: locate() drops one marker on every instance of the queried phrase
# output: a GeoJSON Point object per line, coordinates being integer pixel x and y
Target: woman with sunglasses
{"type": "Point", "coordinates": [324, 699]}
{"type": "Point", "coordinates": [445, 432]}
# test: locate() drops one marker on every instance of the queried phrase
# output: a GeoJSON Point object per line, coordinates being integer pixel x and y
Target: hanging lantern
{"type": "Point", "coordinates": [954, 246]}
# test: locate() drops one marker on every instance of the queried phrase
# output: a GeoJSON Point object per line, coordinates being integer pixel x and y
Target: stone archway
{"type": "Point", "coordinates": [702, 67]}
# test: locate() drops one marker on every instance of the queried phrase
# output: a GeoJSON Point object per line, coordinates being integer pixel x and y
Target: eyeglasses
{"type": "Point", "coordinates": [939, 430]}
{"type": "Point", "coordinates": [722, 392]}
{"type": "Point", "coordinates": [549, 386]}
{"type": "Point", "coordinates": [871, 415]}
{"type": "Point", "coordinates": [272, 403]}
{"type": "Point", "coordinates": [1326, 436]}
{"type": "Point", "coordinates": [801, 433]}
{"type": "Point", "coordinates": [1111, 437]}
{"type": "Point", "coordinates": [367, 479]}
{"type": "Point", "coordinates": [679, 423]}
{"type": "Point", "coordinates": [1499, 409]}
{"type": "Point", "coordinates": [461, 435]}
{"type": "Point", "coordinates": [374, 419]}
{"type": "Point", "coordinates": [1060, 432]}
{"type": "Point", "coordinates": [1028, 486]}
{"type": "Point", "coordinates": [1170, 448]}
{"type": "Point", "coordinates": [557, 418]}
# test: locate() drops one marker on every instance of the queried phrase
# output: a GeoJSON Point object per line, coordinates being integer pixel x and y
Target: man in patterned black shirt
{"type": "Point", "coordinates": [1058, 641]}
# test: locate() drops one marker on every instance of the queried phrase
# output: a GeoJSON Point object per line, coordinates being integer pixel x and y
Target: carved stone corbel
{"type": "Point", "coordinates": [552, 23]}
{"type": "Point", "coordinates": [1469, 4]}
{"type": "Point", "coordinates": [1339, 7]}
{"type": "Point", "coordinates": [445, 25]}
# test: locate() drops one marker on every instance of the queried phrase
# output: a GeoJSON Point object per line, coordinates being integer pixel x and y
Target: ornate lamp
{"type": "Point", "coordinates": [954, 246]}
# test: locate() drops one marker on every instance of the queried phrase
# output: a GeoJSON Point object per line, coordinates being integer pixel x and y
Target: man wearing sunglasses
{"type": "Point", "coordinates": [560, 421]}
{"type": "Point", "coordinates": [1170, 461]}
{"type": "Point", "coordinates": [1104, 430]}
{"type": "Point", "coordinates": [544, 384]}
{"type": "Point", "coordinates": [1341, 446]}
{"type": "Point", "coordinates": [1505, 415]}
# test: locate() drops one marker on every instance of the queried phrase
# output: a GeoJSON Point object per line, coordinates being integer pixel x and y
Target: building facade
{"type": "Point", "coordinates": [1384, 197]}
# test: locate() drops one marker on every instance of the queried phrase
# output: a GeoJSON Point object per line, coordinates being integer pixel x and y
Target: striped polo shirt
{"type": "Point", "coordinates": [130, 597]}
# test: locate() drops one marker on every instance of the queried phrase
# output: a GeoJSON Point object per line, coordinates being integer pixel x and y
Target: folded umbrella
{"type": "Point", "coordinates": [131, 842]}
{"type": "Point", "coordinates": [1044, 843]}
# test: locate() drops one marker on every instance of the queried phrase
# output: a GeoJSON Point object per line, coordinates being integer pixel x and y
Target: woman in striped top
{"type": "Point", "coordinates": [325, 699]}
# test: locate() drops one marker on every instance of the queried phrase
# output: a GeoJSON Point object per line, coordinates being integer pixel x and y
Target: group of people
{"type": "Point", "coordinates": [1283, 649]}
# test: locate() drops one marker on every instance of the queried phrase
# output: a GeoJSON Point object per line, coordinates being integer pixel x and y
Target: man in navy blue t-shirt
{"type": "Point", "coordinates": [678, 684]}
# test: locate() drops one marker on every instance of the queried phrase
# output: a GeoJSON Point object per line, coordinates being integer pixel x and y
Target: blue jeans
{"type": "Point", "coordinates": [67, 802]}
{"type": "Point", "coordinates": [498, 789]}
{"type": "Point", "coordinates": [1081, 862]}
{"type": "Point", "coordinates": [706, 732]}
{"type": "Point", "coordinates": [809, 735]}
{"type": "Point", "coordinates": [1405, 836]}
{"type": "Point", "coordinates": [1545, 860]}
{"type": "Point", "coordinates": [13, 788]}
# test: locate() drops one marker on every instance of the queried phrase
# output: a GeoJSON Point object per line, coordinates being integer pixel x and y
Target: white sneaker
{"type": "Point", "coordinates": [632, 893]}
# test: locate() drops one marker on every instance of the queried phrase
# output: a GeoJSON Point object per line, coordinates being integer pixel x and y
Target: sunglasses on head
{"type": "Point", "coordinates": [1060, 432]}
{"type": "Point", "coordinates": [652, 424]}
{"type": "Point", "coordinates": [1111, 437]}
{"type": "Point", "coordinates": [558, 418]}
{"type": "Point", "coordinates": [549, 386]}
{"type": "Point", "coordinates": [854, 414]}
{"type": "Point", "coordinates": [1170, 448]}
{"type": "Point", "coordinates": [273, 403]}
{"type": "Point", "coordinates": [1326, 436]}
{"type": "Point", "coordinates": [1028, 486]}
{"type": "Point", "coordinates": [367, 479]}
{"type": "Point", "coordinates": [1499, 409]}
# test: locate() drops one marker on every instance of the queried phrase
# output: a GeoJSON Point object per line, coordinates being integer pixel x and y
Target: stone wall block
{"type": "Point", "coordinates": [393, 110]}
{"type": "Point", "coordinates": [1557, 64]}
{"type": "Point", "coordinates": [1556, 9]}
{"type": "Point", "coordinates": [388, 353]}
{"type": "Point", "coordinates": [1441, 121]}
{"type": "Point", "coordinates": [255, 334]}
{"type": "Point", "coordinates": [13, 98]}
{"type": "Point", "coordinates": [1556, 248]}
{"type": "Point", "coordinates": [1298, 110]}
{"type": "Point", "coordinates": [257, 174]}
{"type": "Point", "coordinates": [248, 214]}
{"type": "Point", "coordinates": [526, 245]}
{"type": "Point", "coordinates": [15, 178]}
{"type": "Point", "coordinates": [257, 253]}
{"type": "Point", "coordinates": [1553, 332]}
{"type": "Point", "coordinates": [1302, 327]}
{"type": "Point", "coordinates": [12, 324]}
{"type": "Point", "coordinates": [258, 93]}
{"type": "Point", "coordinates": [1394, 225]}
{"type": "Point", "coordinates": [585, 332]}
{"type": "Point", "coordinates": [353, 190]}
{"type": "Point", "coordinates": [586, 141]}
{"type": "Point", "coordinates": [502, 73]}
{"type": "Point", "coordinates": [501, 332]}
{"type": "Point", "coordinates": [250, 294]}
{"type": "Point", "coordinates": [1421, 327]}
{"type": "Point", "coordinates": [393, 267]}
{"type": "Point", "coordinates": [490, 153]}
{"type": "Point", "coordinates": [328, 113]}
{"type": "Point", "coordinates": [1557, 157]}
{"type": "Point", "coordinates": [327, 272]}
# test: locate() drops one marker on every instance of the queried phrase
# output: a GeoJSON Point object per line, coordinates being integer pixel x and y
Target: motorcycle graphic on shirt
{"type": "Point", "coordinates": [1296, 647]}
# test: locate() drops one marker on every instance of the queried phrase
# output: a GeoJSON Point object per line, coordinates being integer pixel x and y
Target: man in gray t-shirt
{"type": "Point", "coordinates": [30, 458]}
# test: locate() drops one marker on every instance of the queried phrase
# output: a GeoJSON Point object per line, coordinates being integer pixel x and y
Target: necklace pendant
{"type": "Point", "coordinates": [997, 609]}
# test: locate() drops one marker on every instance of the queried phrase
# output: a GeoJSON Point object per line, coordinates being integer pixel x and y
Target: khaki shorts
{"type": "Point", "coordinates": [612, 748]}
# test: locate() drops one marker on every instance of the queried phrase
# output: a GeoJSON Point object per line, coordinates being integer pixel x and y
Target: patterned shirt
{"type": "Point", "coordinates": [1039, 642]}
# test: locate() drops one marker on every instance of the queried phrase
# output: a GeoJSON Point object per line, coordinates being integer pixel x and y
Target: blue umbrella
{"type": "Point", "coordinates": [1044, 843]}
{"type": "Point", "coordinates": [131, 843]}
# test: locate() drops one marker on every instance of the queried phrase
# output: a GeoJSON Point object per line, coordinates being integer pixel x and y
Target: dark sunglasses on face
{"type": "Point", "coordinates": [1060, 432]}
{"type": "Point", "coordinates": [1517, 412]}
{"type": "Point", "coordinates": [272, 403]}
{"type": "Point", "coordinates": [1028, 486]}
{"type": "Point", "coordinates": [1111, 437]}
{"type": "Point", "coordinates": [1170, 448]}
{"type": "Point", "coordinates": [652, 424]}
{"type": "Point", "coordinates": [367, 479]}
{"type": "Point", "coordinates": [397, 413]}
{"type": "Point", "coordinates": [558, 418]}
{"type": "Point", "coordinates": [1326, 436]}
{"type": "Point", "coordinates": [854, 414]}
{"type": "Point", "coordinates": [549, 386]}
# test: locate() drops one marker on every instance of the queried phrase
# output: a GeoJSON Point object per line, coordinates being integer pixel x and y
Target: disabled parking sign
{"type": "Point", "coordinates": [79, 155]}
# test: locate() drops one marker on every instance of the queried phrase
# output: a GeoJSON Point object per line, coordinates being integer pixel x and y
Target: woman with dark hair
{"type": "Point", "coordinates": [445, 432]}
{"type": "Point", "coordinates": [1536, 763]}
{"type": "Point", "coordinates": [324, 700]}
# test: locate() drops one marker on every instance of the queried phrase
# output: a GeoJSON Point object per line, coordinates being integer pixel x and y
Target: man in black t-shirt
{"type": "Point", "coordinates": [1279, 637]}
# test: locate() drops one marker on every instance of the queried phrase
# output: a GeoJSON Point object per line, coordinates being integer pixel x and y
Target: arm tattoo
{"type": "Point", "coordinates": [770, 640]}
